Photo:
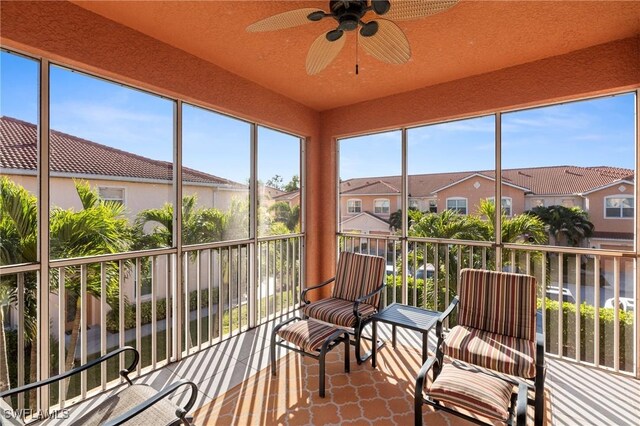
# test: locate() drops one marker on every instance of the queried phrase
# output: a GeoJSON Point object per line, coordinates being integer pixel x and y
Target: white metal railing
{"type": "Point", "coordinates": [581, 291]}
{"type": "Point", "coordinates": [127, 299]}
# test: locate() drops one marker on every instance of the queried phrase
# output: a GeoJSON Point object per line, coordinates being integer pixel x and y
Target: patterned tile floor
{"type": "Point", "coordinates": [579, 395]}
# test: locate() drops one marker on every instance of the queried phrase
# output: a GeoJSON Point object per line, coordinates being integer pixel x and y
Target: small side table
{"type": "Point", "coordinates": [410, 317]}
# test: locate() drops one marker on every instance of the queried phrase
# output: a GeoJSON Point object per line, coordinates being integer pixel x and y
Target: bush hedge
{"type": "Point", "coordinates": [587, 325]}
{"type": "Point", "coordinates": [113, 317]}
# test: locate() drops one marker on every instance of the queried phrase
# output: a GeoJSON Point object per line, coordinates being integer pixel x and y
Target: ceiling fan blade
{"type": "Point", "coordinates": [388, 44]}
{"type": "Point", "coordinates": [405, 10]}
{"type": "Point", "coordinates": [292, 18]}
{"type": "Point", "coordinates": [322, 52]}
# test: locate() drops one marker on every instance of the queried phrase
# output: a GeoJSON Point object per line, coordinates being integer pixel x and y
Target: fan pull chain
{"type": "Point", "coordinates": [357, 42]}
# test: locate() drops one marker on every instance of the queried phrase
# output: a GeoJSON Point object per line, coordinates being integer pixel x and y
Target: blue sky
{"type": "Point", "coordinates": [141, 123]}
{"type": "Point", "coordinates": [587, 133]}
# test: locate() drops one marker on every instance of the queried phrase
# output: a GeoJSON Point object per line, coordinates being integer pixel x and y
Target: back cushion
{"type": "Point", "coordinates": [358, 275]}
{"type": "Point", "coordinates": [498, 302]}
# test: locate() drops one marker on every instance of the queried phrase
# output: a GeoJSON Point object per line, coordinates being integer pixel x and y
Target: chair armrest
{"type": "Point", "coordinates": [359, 300]}
{"type": "Point", "coordinates": [539, 350]}
{"type": "Point", "coordinates": [73, 371]}
{"type": "Point", "coordinates": [303, 295]}
{"type": "Point", "coordinates": [422, 377]}
{"type": "Point", "coordinates": [180, 412]}
{"type": "Point", "coordinates": [444, 316]}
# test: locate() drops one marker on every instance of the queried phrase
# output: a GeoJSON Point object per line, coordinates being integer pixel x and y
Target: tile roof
{"type": "Point", "coordinates": [553, 180]}
{"type": "Point", "coordinates": [72, 155]}
{"type": "Point", "coordinates": [287, 196]}
{"type": "Point", "coordinates": [377, 186]}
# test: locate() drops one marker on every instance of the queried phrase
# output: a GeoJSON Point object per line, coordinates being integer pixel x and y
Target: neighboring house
{"type": "Point", "coordinates": [292, 198]}
{"type": "Point", "coordinates": [137, 182]}
{"type": "Point", "coordinates": [605, 193]}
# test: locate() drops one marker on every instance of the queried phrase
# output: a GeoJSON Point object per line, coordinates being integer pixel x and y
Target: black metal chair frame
{"type": "Point", "coordinates": [339, 336]}
{"type": "Point", "coordinates": [181, 413]}
{"type": "Point", "coordinates": [538, 380]}
{"type": "Point", "coordinates": [361, 321]}
{"type": "Point", "coordinates": [517, 408]}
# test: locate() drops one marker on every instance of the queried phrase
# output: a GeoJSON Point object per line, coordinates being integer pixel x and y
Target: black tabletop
{"type": "Point", "coordinates": [408, 317]}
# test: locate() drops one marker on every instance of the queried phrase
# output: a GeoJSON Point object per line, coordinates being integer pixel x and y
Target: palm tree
{"type": "Point", "coordinates": [566, 225]}
{"type": "Point", "coordinates": [519, 228]}
{"type": "Point", "coordinates": [18, 244]}
{"type": "Point", "coordinates": [199, 225]}
{"type": "Point", "coordinates": [99, 228]}
{"type": "Point", "coordinates": [395, 219]}
{"type": "Point", "coordinates": [450, 224]}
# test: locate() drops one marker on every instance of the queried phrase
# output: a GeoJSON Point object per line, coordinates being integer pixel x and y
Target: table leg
{"type": "Point", "coordinates": [393, 336]}
{"type": "Point", "coordinates": [425, 346]}
{"type": "Point", "coordinates": [374, 348]}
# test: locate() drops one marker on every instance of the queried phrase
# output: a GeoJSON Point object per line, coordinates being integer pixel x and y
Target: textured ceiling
{"type": "Point", "coordinates": [472, 38]}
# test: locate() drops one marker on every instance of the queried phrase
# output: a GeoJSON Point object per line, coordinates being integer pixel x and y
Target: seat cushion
{"type": "Point", "coordinates": [308, 334]}
{"type": "Point", "coordinates": [472, 390]}
{"type": "Point", "coordinates": [336, 311]}
{"type": "Point", "coordinates": [504, 354]}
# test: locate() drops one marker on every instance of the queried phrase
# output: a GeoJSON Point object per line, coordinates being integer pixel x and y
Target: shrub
{"type": "Point", "coordinates": [587, 324]}
{"type": "Point", "coordinates": [113, 317]}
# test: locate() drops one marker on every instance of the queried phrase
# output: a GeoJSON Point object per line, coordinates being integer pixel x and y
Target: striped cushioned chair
{"type": "Point", "coordinates": [496, 328]}
{"type": "Point", "coordinates": [355, 298]}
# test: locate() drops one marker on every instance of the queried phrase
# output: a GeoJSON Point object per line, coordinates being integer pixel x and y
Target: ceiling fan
{"type": "Point", "coordinates": [381, 38]}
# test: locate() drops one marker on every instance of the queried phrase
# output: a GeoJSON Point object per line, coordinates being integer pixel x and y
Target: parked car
{"type": "Point", "coordinates": [626, 303]}
{"type": "Point", "coordinates": [423, 272]}
{"type": "Point", "coordinates": [567, 296]}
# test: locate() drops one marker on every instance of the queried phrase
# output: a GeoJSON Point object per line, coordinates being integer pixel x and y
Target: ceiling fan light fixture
{"type": "Point", "coordinates": [369, 29]}
{"type": "Point", "coordinates": [334, 35]}
{"type": "Point", "coordinates": [316, 16]}
{"type": "Point", "coordinates": [380, 7]}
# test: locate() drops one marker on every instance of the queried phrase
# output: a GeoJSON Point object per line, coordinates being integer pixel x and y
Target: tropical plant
{"type": "Point", "coordinates": [18, 244]}
{"type": "Point", "coordinates": [99, 228]}
{"type": "Point", "coordinates": [565, 225]}
{"type": "Point", "coordinates": [395, 219]}
{"type": "Point", "coordinates": [199, 225]}
{"type": "Point", "coordinates": [282, 212]}
{"type": "Point", "coordinates": [519, 228]}
{"type": "Point", "coordinates": [450, 224]}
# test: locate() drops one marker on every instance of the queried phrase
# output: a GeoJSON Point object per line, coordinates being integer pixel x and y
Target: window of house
{"type": "Point", "coordinates": [618, 207]}
{"type": "Point", "coordinates": [506, 205]}
{"type": "Point", "coordinates": [457, 204]}
{"type": "Point", "coordinates": [413, 203]}
{"type": "Point", "coordinates": [381, 206]}
{"type": "Point", "coordinates": [354, 206]}
{"type": "Point", "coordinates": [433, 206]}
{"type": "Point", "coordinates": [537, 202]}
{"type": "Point", "coordinates": [108, 193]}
